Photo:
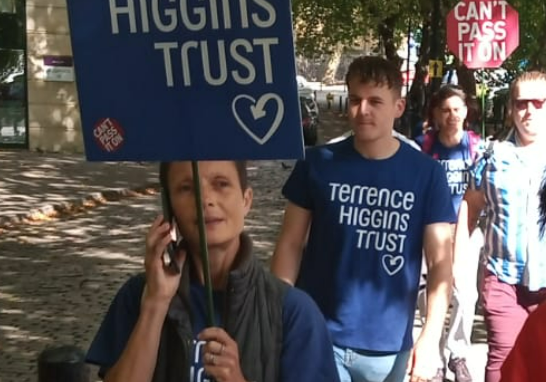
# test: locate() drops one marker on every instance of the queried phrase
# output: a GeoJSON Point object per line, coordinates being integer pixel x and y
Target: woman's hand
{"type": "Point", "coordinates": [221, 356]}
{"type": "Point", "coordinates": [161, 281]}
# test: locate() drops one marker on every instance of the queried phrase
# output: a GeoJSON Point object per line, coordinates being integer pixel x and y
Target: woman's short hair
{"type": "Point", "coordinates": [239, 165]}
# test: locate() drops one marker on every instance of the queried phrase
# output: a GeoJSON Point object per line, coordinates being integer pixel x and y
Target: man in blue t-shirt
{"type": "Point", "coordinates": [455, 147]}
{"type": "Point", "coordinates": [360, 212]}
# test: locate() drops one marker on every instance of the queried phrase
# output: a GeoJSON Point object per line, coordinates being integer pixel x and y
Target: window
{"type": "Point", "coordinates": [13, 83]}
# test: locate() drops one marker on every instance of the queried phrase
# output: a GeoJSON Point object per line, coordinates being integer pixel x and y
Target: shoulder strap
{"type": "Point", "coordinates": [474, 141]}
{"type": "Point", "coordinates": [428, 142]}
{"type": "Point", "coordinates": [489, 150]}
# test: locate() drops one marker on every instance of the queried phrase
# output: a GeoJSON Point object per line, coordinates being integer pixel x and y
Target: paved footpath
{"type": "Point", "coordinates": [35, 185]}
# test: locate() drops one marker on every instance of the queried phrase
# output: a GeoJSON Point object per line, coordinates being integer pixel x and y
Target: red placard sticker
{"type": "Point", "coordinates": [109, 134]}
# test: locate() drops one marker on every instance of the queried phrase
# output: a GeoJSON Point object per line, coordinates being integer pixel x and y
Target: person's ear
{"type": "Point", "coordinates": [248, 194]}
{"type": "Point", "coordinates": [400, 106]}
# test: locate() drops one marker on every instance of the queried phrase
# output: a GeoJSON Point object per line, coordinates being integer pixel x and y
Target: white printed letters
{"type": "Point", "coordinates": [381, 216]}
{"type": "Point", "coordinates": [478, 34]}
{"type": "Point", "coordinates": [238, 60]}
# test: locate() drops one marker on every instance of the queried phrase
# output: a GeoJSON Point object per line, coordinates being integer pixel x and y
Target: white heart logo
{"type": "Point", "coordinates": [258, 112]}
{"type": "Point", "coordinates": [392, 264]}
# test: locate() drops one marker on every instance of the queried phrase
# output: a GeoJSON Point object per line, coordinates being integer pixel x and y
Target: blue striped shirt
{"type": "Point", "coordinates": [510, 179]}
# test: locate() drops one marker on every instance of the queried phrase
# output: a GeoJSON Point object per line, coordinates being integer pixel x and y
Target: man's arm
{"type": "Point", "coordinates": [286, 260]}
{"type": "Point", "coordinates": [475, 200]}
{"type": "Point", "coordinates": [438, 249]}
{"type": "Point", "coordinates": [461, 246]}
{"type": "Point", "coordinates": [438, 255]}
{"type": "Point", "coordinates": [469, 212]}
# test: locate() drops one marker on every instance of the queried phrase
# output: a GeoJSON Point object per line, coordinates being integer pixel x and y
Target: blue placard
{"type": "Point", "coordinates": [186, 79]}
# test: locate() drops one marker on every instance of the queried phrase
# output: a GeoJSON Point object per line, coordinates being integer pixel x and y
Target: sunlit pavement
{"type": "Point", "coordinates": [34, 184]}
{"type": "Point", "coordinates": [477, 356]}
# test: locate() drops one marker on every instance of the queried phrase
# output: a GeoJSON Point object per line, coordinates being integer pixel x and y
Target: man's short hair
{"type": "Point", "coordinates": [375, 70]}
{"type": "Point", "coordinates": [445, 92]}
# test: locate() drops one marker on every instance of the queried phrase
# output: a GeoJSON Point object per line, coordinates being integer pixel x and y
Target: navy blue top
{"type": "Point", "coordinates": [307, 353]}
{"type": "Point", "coordinates": [363, 257]}
{"type": "Point", "coordinates": [456, 161]}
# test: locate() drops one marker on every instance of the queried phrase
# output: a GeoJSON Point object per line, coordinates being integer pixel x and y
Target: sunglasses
{"type": "Point", "coordinates": [522, 104]}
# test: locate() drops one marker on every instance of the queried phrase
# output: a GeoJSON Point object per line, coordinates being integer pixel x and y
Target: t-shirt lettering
{"type": "Point", "coordinates": [381, 216]}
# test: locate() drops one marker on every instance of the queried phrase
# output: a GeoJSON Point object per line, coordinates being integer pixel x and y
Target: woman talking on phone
{"type": "Point", "coordinates": [155, 329]}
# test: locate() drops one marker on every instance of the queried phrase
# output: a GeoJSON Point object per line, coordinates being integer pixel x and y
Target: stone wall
{"type": "Point", "coordinates": [54, 117]}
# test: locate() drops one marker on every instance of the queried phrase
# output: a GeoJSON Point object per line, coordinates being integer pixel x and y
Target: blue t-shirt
{"type": "Point", "coordinates": [456, 162]}
{"type": "Point", "coordinates": [307, 353]}
{"type": "Point", "coordinates": [363, 257]}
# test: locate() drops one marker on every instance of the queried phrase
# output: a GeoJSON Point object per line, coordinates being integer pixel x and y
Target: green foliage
{"type": "Point", "coordinates": [322, 24]}
{"type": "Point", "coordinates": [532, 35]}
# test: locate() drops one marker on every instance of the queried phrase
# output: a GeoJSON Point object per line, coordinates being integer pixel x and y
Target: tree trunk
{"type": "Point", "coordinates": [386, 33]}
{"type": "Point", "coordinates": [466, 79]}
{"type": "Point", "coordinates": [333, 63]}
{"type": "Point", "coordinates": [417, 96]}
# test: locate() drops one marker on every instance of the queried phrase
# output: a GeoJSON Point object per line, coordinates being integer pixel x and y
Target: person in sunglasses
{"type": "Point", "coordinates": [504, 183]}
{"type": "Point", "coordinates": [526, 360]}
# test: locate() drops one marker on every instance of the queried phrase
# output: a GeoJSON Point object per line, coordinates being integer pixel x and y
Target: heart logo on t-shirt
{"type": "Point", "coordinates": [392, 264]}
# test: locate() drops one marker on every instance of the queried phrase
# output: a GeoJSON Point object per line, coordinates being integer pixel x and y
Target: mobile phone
{"type": "Point", "coordinates": [169, 257]}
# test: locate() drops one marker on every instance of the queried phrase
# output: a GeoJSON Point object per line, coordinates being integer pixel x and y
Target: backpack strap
{"type": "Point", "coordinates": [474, 142]}
{"type": "Point", "coordinates": [488, 150]}
{"type": "Point", "coordinates": [428, 142]}
{"type": "Point", "coordinates": [473, 138]}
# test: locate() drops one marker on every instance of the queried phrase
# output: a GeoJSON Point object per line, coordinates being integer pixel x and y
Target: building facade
{"type": "Point", "coordinates": [38, 98]}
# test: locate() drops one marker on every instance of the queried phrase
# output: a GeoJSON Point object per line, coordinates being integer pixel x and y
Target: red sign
{"type": "Point", "coordinates": [109, 134]}
{"type": "Point", "coordinates": [482, 33]}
